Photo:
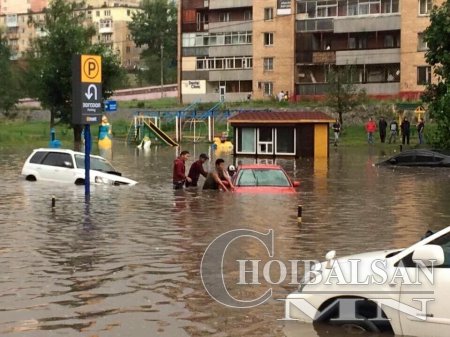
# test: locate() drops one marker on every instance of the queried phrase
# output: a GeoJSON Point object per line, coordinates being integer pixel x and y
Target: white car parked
{"type": "Point", "coordinates": [401, 291]}
{"type": "Point", "coordinates": [67, 166]}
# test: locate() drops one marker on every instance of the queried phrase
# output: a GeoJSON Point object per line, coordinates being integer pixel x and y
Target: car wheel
{"type": "Point", "coordinates": [79, 181]}
{"type": "Point", "coordinates": [31, 178]}
{"type": "Point", "coordinates": [361, 326]}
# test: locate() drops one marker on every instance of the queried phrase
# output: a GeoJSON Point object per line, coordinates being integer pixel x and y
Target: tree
{"type": "Point", "coordinates": [343, 94]}
{"type": "Point", "coordinates": [155, 29]}
{"type": "Point", "coordinates": [9, 90]}
{"type": "Point", "coordinates": [438, 56]}
{"type": "Point", "coordinates": [50, 61]}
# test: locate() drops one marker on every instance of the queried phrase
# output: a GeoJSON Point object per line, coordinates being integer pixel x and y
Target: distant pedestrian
{"type": "Point", "coordinates": [371, 127]}
{"type": "Point", "coordinates": [382, 126]}
{"type": "Point", "coordinates": [406, 129]}
{"type": "Point", "coordinates": [420, 128]}
{"type": "Point", "coordinates": [196, 170]}
{"type": "Point", "coordinates": [281, 96]}
{"type": "Point", "coordinates": [394, 131]}
{"type": "Point", "coordinates": [179, 171]}
{"type": "Point", "coordinates": [337, 131]}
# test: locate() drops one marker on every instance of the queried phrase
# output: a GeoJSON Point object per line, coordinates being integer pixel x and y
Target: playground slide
{"type": "Point", "coordinates": [160, 133]}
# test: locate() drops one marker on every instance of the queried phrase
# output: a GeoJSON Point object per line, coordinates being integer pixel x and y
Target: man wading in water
{"type": "Point", "coordinates": [218, 178]}
{"type": "Point", "coordinates": [179, 171]}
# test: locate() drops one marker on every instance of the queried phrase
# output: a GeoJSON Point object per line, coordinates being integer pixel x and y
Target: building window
{"type": "Point", "coordinates": [389, 41]}
{"type": "Point", "coordinates": [326, 9]}
{"type": "Point", "coordinates": [107, 12]}
{"type": "Point", "coordinates": [285, 140]}
{"type": "Point", "coordinates": [423, 75]}
{"type": "Point", "coordinates": [268, 63]}
{"type": "Point", "coordinates": [214, 63]}
{"type": "Point", "coordinates": [246, 140]}
{"type": "Point", "coordinates": [267, 88]}
{"type": "Point", "coordinates": [128, 12]}
{"type": "Point", "coordinates": [268, 39]}
{"type": "Point", "coordinates": [128, 49]}
{"type": "Point", "coordinates": [421, 44]}
{"type": "Point", "coordinates": [224, 17]}
{"type": "Point", "coordinates": [248, 15]}
{"type": "Point", "coordinates": [97, 13]}
{"type": "Point", "coordinates": [425, 7]}
{"type": "Point", "coordinates": [268, 13]}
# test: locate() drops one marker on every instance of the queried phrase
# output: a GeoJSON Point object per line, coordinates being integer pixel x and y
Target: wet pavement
{"type": "Point", "coordinates": [128, 263]}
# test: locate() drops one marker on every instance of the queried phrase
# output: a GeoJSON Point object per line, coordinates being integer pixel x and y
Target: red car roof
{"type": "Point", "coordinates": [260, 166]}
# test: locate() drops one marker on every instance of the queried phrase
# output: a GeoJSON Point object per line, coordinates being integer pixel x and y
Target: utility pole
{"type": "Point", "coordinates": [162, 70]}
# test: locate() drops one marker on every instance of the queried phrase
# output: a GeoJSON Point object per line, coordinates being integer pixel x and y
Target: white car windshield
{"type": "Point", "coordinates": [97, 164]}
{"type": "Point", "coordinates": [262, 177]}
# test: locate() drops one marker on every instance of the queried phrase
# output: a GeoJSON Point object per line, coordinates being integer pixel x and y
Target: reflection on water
{"type": "Point", "coordinates": [128, 263]}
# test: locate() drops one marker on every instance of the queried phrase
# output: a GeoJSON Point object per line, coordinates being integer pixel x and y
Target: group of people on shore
{"type": "Point", "coordinates": [371, 128]}
{"type": "Point", "coordinates": [405, 128]}
{"type": "Point", "coordinates": [218, 179]}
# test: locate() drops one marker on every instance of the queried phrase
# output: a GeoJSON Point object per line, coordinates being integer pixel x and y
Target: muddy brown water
{"type": "Point", "coordinates": [128, 264]}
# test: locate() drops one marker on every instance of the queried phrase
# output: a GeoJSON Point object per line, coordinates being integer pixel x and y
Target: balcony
{"type": "Point", "coordinates": [324, 57]}
{"type": "Point", "coordinates": [105, 27]}
{"type": "Point", "coordinates": [231, 50]}
{"type": "Point", "coordinates": [12, 21]}
{"type": "Point", "coordinates": [13, 36]}
{"type": "Point", "coordinates": [231, 75]}
{"type": "Point", "coordinates": [368, 56]}
{"type": "Point", "coordinates": [382, 88]}
{"type": "Point", "coordinates": [314, 25]}
{"type": "Point", "coordinates": [218, 4]}
{"type": "Point", "coordinates": [351, 24]}
{"type": "Point", "coordinates": [230, 26]}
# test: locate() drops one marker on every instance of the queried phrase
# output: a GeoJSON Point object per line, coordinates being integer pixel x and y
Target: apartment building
{"type": "Point", "coordinates": [112, 29]}
{"type": "Point", "coordinates": [273, 48]}
{"type": "Point", "coordinates": [215, 49]}
{"type": "Point", "coordinates": [110, 22]}
{"type": "Point", "coordinates": [360, 33]}
{"type": "Point", "coordinates": [415, 72]}
{"type": "Point", "coordinates": [21, 6]}
{"type": "Point", "coordinates": [291, 45]}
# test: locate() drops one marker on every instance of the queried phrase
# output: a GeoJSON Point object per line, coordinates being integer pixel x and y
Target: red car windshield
{"type": "Point", "coordinates": [262, 177]}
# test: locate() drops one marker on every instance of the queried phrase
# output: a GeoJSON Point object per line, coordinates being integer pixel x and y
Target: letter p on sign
{"type": "Point", "coordinates": [91, 69]}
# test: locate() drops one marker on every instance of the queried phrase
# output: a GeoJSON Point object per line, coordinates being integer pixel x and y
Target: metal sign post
{"type": "Point", "coordinates": [86, 102]}
{"type": "Point", "coordinates": [87, 160]}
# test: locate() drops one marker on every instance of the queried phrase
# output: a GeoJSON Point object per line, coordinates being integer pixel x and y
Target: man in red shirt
{"type": "Point", "coordinates": [179, 170]}
{"type": "Point", "coordinates": [196, 170]}
{"type": "Point", "coordinates": [371, 127]}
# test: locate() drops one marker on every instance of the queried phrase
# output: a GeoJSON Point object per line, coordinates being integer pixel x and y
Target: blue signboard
{"type": "Point", "coordinates": [110, 106]}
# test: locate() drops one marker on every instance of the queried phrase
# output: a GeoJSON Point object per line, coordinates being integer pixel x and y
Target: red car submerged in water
{"type": "Point", "coordinates": [262, 178]}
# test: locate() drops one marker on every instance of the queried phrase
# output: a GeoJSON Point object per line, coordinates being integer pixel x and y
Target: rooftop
{"type": "Point", "coordinates": [274, 117]}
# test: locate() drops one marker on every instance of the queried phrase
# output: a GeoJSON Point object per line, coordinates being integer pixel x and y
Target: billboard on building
{"type": "Point", "coordinates": [284, 7]}
{"type": "Point", "coordinates": [193, 87]}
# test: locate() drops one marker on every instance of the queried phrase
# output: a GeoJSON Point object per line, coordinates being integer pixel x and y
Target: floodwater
{"type": "Point", "coordinates": [128, 263]}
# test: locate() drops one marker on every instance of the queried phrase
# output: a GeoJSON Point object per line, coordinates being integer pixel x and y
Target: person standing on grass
{"type": "Point", "coordinates": [337, 131]}
{"type": "Point", "coordinates": [394, 131]}
{"type": "Point", "coordinates": [179, 171]}
{"type": "Point", "coordinates": [382, 125]}
{"type": "Point", "coordinates": [420, 128]}
{"type": "Point", "coordinates": [371, 127]}
{"type": "Point", "coordinates": [406, 129]}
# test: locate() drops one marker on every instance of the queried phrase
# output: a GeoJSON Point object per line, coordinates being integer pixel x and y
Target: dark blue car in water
{"type": "Point", "coordinates": [418, 157]}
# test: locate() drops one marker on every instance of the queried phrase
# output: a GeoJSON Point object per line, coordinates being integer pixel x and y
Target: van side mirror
{"type": "Point", "coordinates": [429, 255]}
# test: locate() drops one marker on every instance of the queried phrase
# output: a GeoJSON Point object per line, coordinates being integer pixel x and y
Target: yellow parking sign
{"type": "Point", "coordinates": [91, 69]}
